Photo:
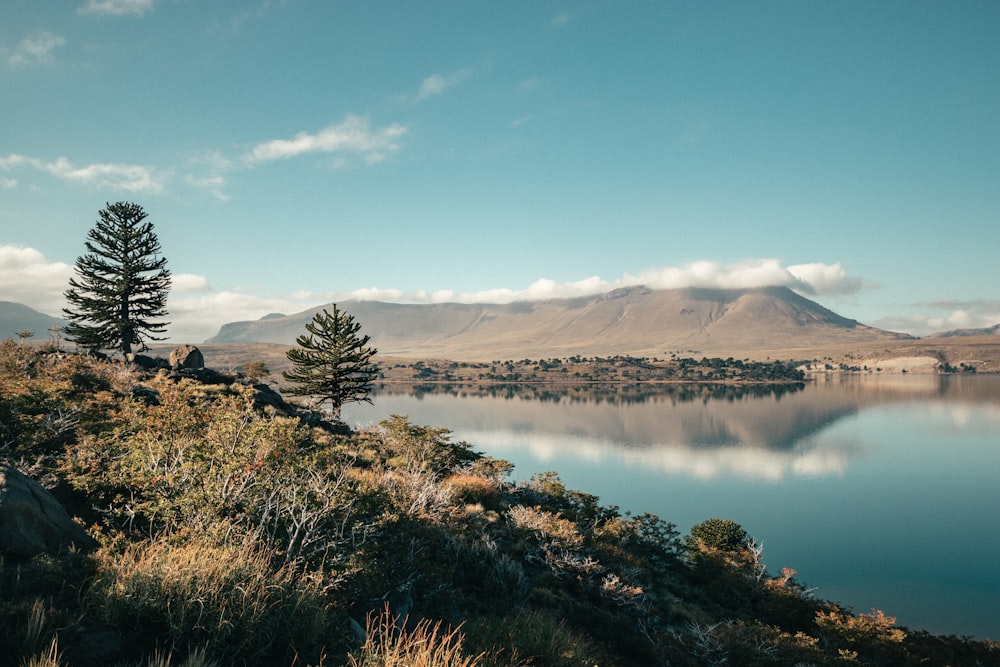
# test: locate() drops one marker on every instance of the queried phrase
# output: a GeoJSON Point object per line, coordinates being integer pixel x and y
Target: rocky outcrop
{"type": "Point", "coordinates": [31, 520]}
{"type": "Point", "coordinates": [186, 356]}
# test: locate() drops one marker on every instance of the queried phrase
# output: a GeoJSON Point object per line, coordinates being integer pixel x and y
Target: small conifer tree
{"type": "Point", "coordinates": [333, 363]}
{"type": "Point", "coordinates": [121, 284]}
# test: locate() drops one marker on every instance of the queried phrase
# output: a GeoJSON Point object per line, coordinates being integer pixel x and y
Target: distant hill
{"type": "Point", "coordinates": [955, 333]}
{"type": "Point", "coordinates": [635, 321]}
{"type": "Point", "coordinates": [16, 317]}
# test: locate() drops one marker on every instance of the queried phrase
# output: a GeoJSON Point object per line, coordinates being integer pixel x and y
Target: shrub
{"type": "Point", "coordinates": [471, 488]}
{"type": "Point", "coordinates": [534, 638]}
{"type": "Point", "coordinates": [722, 535]}
{"type": "Point", "coordinates": [228, 599]}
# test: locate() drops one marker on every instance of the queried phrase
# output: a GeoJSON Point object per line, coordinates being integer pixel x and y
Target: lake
{"type": "Point", "coordinates": [880, 491]}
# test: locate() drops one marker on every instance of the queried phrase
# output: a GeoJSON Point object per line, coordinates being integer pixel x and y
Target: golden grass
{"type": "Point", "coordinates": [228, 598]}
{"type": "Point", "coordinates": [427, 644]}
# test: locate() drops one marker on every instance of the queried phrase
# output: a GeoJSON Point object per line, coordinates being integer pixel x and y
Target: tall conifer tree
{"type": "Point", "coordinates": [333, 363]}
{"type": "Point", "coordinates": [120, 288]}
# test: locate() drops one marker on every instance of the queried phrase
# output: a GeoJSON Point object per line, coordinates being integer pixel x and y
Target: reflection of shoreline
{"type": "Point", "coordinates": [613, 393]}
{"type": "Point", "coordinates": [876, 388]}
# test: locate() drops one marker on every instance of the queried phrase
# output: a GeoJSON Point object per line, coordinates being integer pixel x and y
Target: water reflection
{"type": "Point", "coordinates": [617, 394]}
{"type": "Point", "coordinates": [879, 490]}
{"type": "Point", "coordinates": [757, 431]}
{"type": "Point", "coordinates": [702, 462]}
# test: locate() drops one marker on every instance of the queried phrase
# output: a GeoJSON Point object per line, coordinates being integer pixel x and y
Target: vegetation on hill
{"type": "Point", "coordinates": [235, 529]}
{"type": "Point", "coordinates": [619, 369]}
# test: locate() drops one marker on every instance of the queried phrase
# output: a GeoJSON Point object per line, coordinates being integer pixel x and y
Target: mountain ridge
{"type": "Point", "coordinates": [17, 317]}
{"type": "Point", "coordinates": [635, 320]}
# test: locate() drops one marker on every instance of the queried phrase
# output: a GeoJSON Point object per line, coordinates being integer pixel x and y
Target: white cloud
{"type": "Point", "coordinates": [129, 177]}
{"type": "Point", "coordinates": [117, 7]}
{"type": "Point", "coordinates": [189, 282]}
{"type": "Point", "coordinates": [814, 279]}
{"type": "Point", "coordinates": [27, 277]}
{"type": "Point", "coordinates": [35, 49]}
{"type": "Point", "coordinates": [353, 135]}
{"type": "Point", "coordinates": [819, 278]}
{"type": "Point", "coordinates": [436, 84]}
{"type": "Point", "coordinates": [8, 183]}
{"type": "Point", "coordinates": [196, 317]}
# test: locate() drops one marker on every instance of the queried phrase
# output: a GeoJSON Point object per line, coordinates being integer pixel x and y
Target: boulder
{"type": "Point", "coordinates": [31, 520]}
{"type": "Point", "coordinates": [186, 356]}
{"type": "Point", "coordinates": [145, 362]}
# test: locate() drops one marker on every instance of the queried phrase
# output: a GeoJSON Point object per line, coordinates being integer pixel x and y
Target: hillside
{"type": "Point", "coordinates": [15, 317]}
{"type": "Point", "coordinates": [964, 333]}
{"type": "Point", "coordinates": [633, 321]}
{"type": "Point", "coordinates": [225, 526]}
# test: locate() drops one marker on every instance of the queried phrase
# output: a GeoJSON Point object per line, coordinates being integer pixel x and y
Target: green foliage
{"type": "Point", "coordinates": [535, 638]}
{"type": "Point", "coordinates": [333, 363]}
{"type": "Point", "coordinates": [213, 465]}
{"type": "Point", "coordinates": [722, 535]}
{"type": "Point", "coordinates": [121, 284]}
{"type": "Point", "coordinates": [406, 445]}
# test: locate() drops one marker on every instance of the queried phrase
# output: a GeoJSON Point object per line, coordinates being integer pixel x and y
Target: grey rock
{"type": "Point", "coordinates": [186, 356]}
{"type": "Point", "coordinates": [32, 521]}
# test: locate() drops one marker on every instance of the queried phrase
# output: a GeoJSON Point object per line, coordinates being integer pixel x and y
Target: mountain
{"type": "Point", "coordinates": [633, 321]}
{"type": "Point", "coordinates": [16, 317]}
{"type": "Point", "coordinates": [958, 333]}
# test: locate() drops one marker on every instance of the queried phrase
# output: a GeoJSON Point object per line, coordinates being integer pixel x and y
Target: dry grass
{"type": "Point", "coordinates": [471, 488]}
{"type": "Point", "coordinates": [227, 598]}
{"type": "Point", "coordinates": [427, 644]}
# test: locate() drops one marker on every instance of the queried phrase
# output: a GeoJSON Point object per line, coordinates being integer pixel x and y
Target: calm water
{"type": "Point", "coordinates": [881, 492]}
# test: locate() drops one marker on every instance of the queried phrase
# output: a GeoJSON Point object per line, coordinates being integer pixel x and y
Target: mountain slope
{"type": "Point", "coordinates": [16, 317]}
{"type": "Point", "coordinates": [636, 321]}
{"type": "Point", "coordinates": [962, 333]}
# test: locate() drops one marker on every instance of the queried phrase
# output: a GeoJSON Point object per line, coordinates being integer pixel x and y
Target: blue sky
{"type": "Point", "coordinates": [294, 153]}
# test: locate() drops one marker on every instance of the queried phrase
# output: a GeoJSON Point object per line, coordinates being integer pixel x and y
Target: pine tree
{"type": "Point", "coordinates": [333, 363]}
{"type": "Point", "coordinates": [121, 284]}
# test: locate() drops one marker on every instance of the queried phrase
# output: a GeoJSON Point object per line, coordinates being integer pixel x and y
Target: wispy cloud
{"type": "Point", "coordinates": [436, 84]}
{"type": "Point", "coordinates": [35, 49]}
{"type": "Point", "coordinates": [354, 135]}
{"type": "Point", "coordinates": [212, 184]}
{"type": "Point", "coordinates": [560, 19]}
{"type": "Point", "coordinates": [128, 177]}
{"type": "Point", "coordinates": [117, 7]}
